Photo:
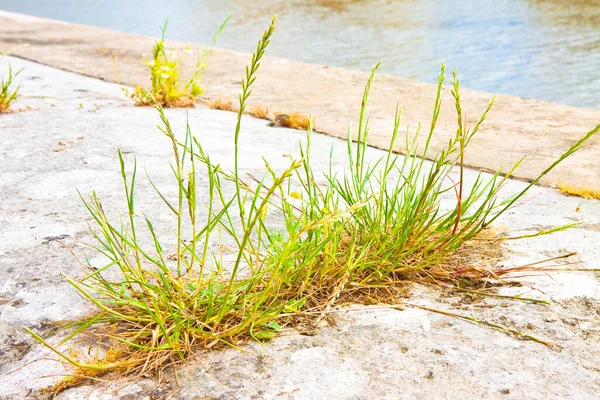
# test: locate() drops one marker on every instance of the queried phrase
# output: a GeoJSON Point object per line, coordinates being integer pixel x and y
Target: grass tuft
{"type": "Point", "coordinates": [167, 88]}
{"type": "Point", "coordinates": [8, 93]}
{"type": "Point", "coordinates": [281, 250]}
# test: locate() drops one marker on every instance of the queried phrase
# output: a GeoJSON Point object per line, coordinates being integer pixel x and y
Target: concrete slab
{"type": "Point", "coordinates": [516, 127]}
{"type": "Point", "coordinates": [373, 352]}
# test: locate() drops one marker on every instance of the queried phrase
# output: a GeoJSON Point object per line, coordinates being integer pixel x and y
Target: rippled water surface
{"type": "Point", "coordinates": [543, 49]}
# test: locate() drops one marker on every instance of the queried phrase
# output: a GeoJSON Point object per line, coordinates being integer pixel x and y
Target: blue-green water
{"type": "Point", "coordinates": [543, 49]}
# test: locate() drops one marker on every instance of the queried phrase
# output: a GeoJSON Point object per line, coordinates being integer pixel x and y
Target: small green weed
{"type": "Point", "coordinates": [165, 70]}
{"type": "Point", "coordinates": [300, 244]}
{"type": "Point", "coordinates": [8, 93]}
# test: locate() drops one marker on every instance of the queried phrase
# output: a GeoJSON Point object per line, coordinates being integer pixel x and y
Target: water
{"type": "Point", "coordinates": [543, 49]}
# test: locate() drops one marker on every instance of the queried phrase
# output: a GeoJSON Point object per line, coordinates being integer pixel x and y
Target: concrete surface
{"type": "Point", "coordinates": [516, 127]}
{"type": "Point", "coordinates": [374, 353]}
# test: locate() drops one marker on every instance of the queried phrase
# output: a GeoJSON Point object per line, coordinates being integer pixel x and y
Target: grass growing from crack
{"type": "Point", "coordinates": [300, 243]}
{"type": "Point", "coordinates": [8, 92]}
{"type": "Point", "coordinates": [167, 88]}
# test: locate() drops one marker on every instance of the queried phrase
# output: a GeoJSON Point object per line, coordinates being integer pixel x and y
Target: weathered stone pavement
{"type": "Point", "coordinates": [374, 353]}
{"type": "Point", "coordinates": [517, 126]}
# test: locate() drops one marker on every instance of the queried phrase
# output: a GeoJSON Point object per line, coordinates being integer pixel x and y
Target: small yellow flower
{"type": "Point", "coordinates": [151, 63]}
{"type": "Point", "coordinates": [187, 50]}
{"type": "Point", "coordinates": [324, 210]}
{"type": "Point", "coordinates": [295, 195]}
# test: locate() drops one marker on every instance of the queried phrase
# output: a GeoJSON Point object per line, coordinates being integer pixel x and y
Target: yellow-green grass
{"type": "Point", "coordinates": [8, 91]}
